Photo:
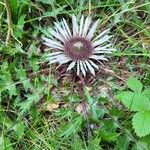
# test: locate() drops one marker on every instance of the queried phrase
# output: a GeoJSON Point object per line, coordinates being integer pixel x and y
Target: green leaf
{"type": "Point", "coordinates": [25, 106]}
{"type": "Point", "coordinates": [7, 83]}
{"type": "Point", "coordinates": [21, 74]}
{"type": "Point", "coordinates": [134, 101]}
{"type": "Point", "coordinates": [47, 1]}
{"type": "Point", "coordinates": [140, 146]}
{"type": "Point", "coordinates": [146, 92]}
{"type": "Point", "coordinates": [5, 143]}
{"type": "Point", "coordinates": [14, 9]}
{"type": "Point", "coordinates": [54, 13]}
{"type": "Point", "coordinates": [134, 84]}
{"type": "Point", "coordinates": [19, 129]}
{"type": "Point", "coordinates": [123, 143]}
{"type": "Point", "coordinates": [71, 128]}
{"type": "Point", "coordinates": [94, 144]}
{"type": "Point", "coordinates": [126, 98]}
{"type": "Point", "coordinates": [5, 120]}
{"type": "Point", "coordinates": [18, 31]}
{"type": "Point", "coordinates": [107, 131]}
{"type": "Point", "coordinates": [77, 144]}
{"type": "Point", "coordinates": [141, 123]}
{"type": "Point", "coordinates": [94, 110]}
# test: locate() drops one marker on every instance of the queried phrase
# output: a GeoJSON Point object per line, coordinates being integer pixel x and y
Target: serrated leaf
{"type": "Point", "coordinates": [134, 84]}
{"type": "Point", "coordinates": [141, 123]}
{"type": "Point", "coordinates": [126, 98]}
{"type": "Point", "coordinates": [146, 92]}
{"type": "Point", "coordinates": [134, 101]}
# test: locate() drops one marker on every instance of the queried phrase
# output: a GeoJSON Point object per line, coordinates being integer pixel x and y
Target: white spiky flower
{"type": "Point", "coordinates": [79, 47]}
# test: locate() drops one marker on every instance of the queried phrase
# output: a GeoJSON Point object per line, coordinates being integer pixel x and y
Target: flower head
{"type": "Point", "coordinates": [79, 47]}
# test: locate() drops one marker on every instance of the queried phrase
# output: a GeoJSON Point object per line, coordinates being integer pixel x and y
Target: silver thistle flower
{"type": "Point", "coordinates": [79, 48]}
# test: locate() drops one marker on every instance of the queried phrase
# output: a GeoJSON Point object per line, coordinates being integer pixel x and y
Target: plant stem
{"type": "Point", "coordinates": [9, 21]}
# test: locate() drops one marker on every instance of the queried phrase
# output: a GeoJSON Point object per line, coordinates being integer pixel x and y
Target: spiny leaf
{"type": "Point", "coordinates": [141, 123]}
{"type": "Point", "coordinates": [7, 83]}
{"type": "Point", "coordinates": [72, 128]}
{"type": "Point", "coordinates": [94, 144]}
{"type": "Point", "coordinates": [54, 13]}
{"type": "Point", "coordinates": [18, 31]}
{"type": "Point", "coordinates": [25, 106]}
{"type": "Point", "coordinates": [21, 74]}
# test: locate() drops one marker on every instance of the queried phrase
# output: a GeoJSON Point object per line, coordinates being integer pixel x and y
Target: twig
{"type": "Point", "coordinates": [9, 21]}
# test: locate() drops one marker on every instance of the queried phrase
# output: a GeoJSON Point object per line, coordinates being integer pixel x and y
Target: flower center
{"type": "Point", "coordinates": [78, 48]}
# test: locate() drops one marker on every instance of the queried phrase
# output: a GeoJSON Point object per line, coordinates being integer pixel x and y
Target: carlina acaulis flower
{"type": "Point", "coordinates": [79, 47]}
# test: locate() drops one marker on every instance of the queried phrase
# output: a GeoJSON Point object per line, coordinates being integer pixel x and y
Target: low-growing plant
{"type": "Point", "coordinates": [137, 99]}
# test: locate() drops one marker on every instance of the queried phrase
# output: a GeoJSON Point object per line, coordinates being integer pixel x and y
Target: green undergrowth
{"type": "Point", "coordinates": [38, 109]}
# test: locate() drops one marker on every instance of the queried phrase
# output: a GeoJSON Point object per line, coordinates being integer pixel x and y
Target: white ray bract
{"type": "Point", "coordinates": [101, 34]}
{"type": "Point", "coordinates": [84, 65]}
{"type": "Point", "coordinates": [52, 42]}
{"type": "Point", "coordinates": [75, 25]}
{"type": "Point", "coordinates": [52, 46]}
{"type": "Point", "coordinates": [58, 57]}
{"type": "Point", "coordinates": [61, 31]}
{"type": "Point", "coordinates": [56, 35]}
{"type": "Point", "coordinates": [86, 26]}
{"type": "Point", "coordinates": [82, 68]}
{"type": "Point", "coordinates": [93, 64]}
{"type": "Point", "coordinates": [53, 54]}
{"type": "Point", "coordinates": [52, 61]}
{"type": "Point", "coordinates": [67, 28]}
{"type": "Point", "coordinates": [97, 57]}
{"type": "Point", "coordinates": [64, 60]}
{"type": "Point", "coordinates": [103, 52]}
{"type": "Point", "coordinates": [82, 28]}
{"type": "Point", "coordinates": [90, 67]}
{"type": "Point", "coordinates": [81, 25]}
{"type": "Point", "coordinates": [102, 47]}
{"type": "Point", "coordinates": [102, 40]}
{"type": "Point", "coordinates": [92, 30]}
{"type": "Point", "coordinates": [78, 68]}
{"type": "Point", "coordinates": [71, 65]}
{"type": "Point", "coordinates": [61, 59]}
